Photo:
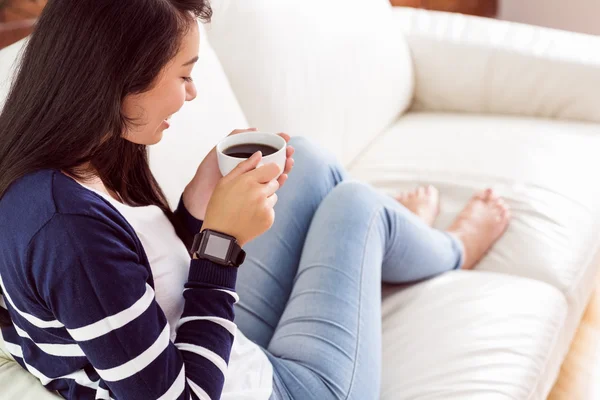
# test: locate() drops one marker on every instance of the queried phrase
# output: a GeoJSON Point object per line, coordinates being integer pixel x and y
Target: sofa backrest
{"type": "Point", "coordinates": [337, 71]}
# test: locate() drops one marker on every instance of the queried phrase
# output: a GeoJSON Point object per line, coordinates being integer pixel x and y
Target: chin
{"type": "Point", "coordinates": [145, 138]}
{"type": "Point", "coordinates": [157, 138]}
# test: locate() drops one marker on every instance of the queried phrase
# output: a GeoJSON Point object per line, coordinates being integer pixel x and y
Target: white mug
{"type": "Point", "coordinates": [228, 163]}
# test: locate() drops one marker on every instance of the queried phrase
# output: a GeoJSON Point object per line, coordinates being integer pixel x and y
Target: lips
{"type": "Point", "coordinates": [166, 121]}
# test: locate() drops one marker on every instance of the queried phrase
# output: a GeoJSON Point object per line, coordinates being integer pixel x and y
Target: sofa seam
{"type": "Point", "coordinates": [549, 354]}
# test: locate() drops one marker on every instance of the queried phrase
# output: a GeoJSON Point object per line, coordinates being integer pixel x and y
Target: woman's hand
{"type": "Point", "coordinates": [199, 191]}
{"type": "Point", "coordinates": [242, 202]}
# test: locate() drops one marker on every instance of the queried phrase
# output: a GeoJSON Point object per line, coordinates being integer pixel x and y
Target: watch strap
{"type": "Point", "coordinates": [196, 243]}
{"type": "Point", "coordinates": [238, 255]}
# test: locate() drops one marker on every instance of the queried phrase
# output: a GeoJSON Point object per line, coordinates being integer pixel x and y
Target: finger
{"type": "Point", "coordinates": [266, 173]}
{"type": "Point", "coordinates": [245, 166]}
{"type": "Point", "coordinates": [271, 187]}
{"type": "Point", "coordinates": [285, 136]}
{"type": "Point", "coordinates": [282, 179]}
{"type": "Point", "coordinates": [289, 164]}
{"type": "Point", "coordinates": [271, 200]}
{"type": "Point", "coordinates": [290, 151]}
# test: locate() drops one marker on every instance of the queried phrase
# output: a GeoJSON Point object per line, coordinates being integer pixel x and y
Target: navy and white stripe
{"type": "Point", "coordinates": [79, 289]}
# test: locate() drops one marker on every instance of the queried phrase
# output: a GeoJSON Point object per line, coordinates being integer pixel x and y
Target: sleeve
{"type": "Point", "coordinates": [89, 275]}
{"type": "Point", "coordinates": [191, 223]}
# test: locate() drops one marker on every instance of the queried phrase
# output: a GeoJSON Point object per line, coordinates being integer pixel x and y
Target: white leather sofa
{"type": "Point", "coordinates": [407, 97]}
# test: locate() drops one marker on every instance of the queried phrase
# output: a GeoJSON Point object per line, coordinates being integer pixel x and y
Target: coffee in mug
{"type": "Point", "coordinates": [247, 149]}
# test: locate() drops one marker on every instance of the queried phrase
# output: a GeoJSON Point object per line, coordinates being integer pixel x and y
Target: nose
{"type": "Point", "coordinates": [190, 91]}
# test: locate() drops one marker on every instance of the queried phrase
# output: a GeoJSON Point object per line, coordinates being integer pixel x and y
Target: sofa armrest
{"type": "Point", "coordinates": [479, 65]}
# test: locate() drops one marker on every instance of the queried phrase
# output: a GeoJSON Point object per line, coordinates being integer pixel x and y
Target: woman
{"type": "Point", "coordinates": [93, 262]}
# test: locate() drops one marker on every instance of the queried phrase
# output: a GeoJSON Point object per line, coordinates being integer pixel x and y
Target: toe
{"type": "Point", "coordinates": [432, 190]}
{"type": "Point", "coordinates": [503, 204]}
{"type": "Point", "coordinates": [481, 195]}
{"type": "Point", "coordinates": [434, 194]}
{"type": "Point", "coordinates": [488, 194]}
{"type": "Point", "coordinates": [505, 217]}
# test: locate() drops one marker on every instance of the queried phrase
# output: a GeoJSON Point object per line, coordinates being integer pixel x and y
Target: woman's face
{"type": "Point", "coordinates": [151, 110]}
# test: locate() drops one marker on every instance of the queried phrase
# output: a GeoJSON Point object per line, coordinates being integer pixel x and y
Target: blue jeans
{"type": "Point", "coordinates": [310, 289]}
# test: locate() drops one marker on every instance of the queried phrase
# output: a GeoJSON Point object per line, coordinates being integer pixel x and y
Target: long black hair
{"type": "Point", "coordinates": [64, 108]}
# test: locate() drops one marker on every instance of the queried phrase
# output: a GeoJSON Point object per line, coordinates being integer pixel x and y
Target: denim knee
{"type": "Point", "coordinates": [315, 161]}
{"type": "Point", "coordinates": [352, 194]}
{"type": "Point", "coordinates": [354, 201]}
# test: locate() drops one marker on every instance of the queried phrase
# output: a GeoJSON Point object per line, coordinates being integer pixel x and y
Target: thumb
{"type": "Point", "coordinates": [245, 166]}
{"type": "Point", "coordinates": [266, 173]}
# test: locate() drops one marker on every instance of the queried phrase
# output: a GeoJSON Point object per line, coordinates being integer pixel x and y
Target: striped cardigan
{"type": "Point", "coordinates": [79, 290]}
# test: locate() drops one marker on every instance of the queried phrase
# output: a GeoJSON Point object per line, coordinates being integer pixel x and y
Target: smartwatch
{"type": "Point", "coordinates": [218, 247]}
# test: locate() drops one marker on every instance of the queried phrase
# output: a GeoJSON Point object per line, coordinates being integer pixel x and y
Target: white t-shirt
{"type": "Point", "coordinates": [250, 373]}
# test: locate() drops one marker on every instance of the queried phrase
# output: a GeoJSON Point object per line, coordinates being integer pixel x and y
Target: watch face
{"type": "Point", "coordinates": [217, 247]}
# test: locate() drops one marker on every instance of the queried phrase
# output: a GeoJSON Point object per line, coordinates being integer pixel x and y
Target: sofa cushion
{"type": "Point", "coordinates": [336, 71]}
{"type": "Point", "coordinates": [18, 384]}
{"type": "Point", "coordinates": [545, 169]}
{"type": "Point", "coordinates": [472, 335]}
{"type": "Point", "coordinates": [459, 336]}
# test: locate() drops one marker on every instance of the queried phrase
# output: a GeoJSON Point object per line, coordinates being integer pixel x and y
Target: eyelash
{"type": "Point", "coordinates": [188, 79]}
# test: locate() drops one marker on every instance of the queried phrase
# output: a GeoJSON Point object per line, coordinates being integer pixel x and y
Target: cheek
{"type": "Point", "coordinates": [142, 111]}
{"type": "Point", "coordinates": [150, 109]}
{"type": "Point", "coordinates": [169, 97]}
{"type": "Point", "coordinates": [179, 95]}
{"type": "Point", "coordinates": [133, 108]}
{"type": "Point", "coordinates": [169, 102]}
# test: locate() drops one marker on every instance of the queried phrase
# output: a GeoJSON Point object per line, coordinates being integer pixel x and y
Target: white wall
{"type": "Point", "coordinates": [574, 15]}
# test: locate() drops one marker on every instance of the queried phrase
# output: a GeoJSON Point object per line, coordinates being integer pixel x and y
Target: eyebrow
{"type": "Point", "coordinates": [192, 61]}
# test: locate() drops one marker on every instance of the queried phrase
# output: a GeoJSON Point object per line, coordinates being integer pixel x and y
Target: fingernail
{"type": "Point", "coordinates": [259, 154]}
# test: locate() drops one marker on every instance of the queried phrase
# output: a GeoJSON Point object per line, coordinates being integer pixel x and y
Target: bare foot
{"type": "Point", "coordinates": [480, 224]}
{"type": "Point", "coordinates": [424, 202]}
